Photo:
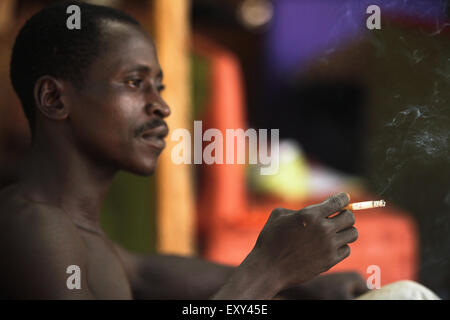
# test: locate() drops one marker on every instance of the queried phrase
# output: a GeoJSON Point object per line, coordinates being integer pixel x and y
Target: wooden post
{"type": "Point", "coordinates": [6, 18]}
{"type": "Point", "coordinates": [6, 14]}
{"type": "Point", "coordinates": [175, 207]}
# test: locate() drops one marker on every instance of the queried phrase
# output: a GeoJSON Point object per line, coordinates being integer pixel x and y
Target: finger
{"type": "Point", "coordinates": [343, 220]}
{"type": "Point", "coordinates": [347, 236]}
{"type": "Point", "coordinates": [334, 204]}
{"type": "Point", "coordinates": [359, 287]}
{"type": "Point", "coordinates": [343, 252]}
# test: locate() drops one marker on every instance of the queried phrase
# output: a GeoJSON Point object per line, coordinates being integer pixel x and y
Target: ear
{"type": "Point", "coordinates": [47, 96]}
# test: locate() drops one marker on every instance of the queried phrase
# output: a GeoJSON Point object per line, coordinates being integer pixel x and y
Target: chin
{"type": "Point", "coordinates": [142, 168]}
{"type": "Point", "coordinates": [144, 172]}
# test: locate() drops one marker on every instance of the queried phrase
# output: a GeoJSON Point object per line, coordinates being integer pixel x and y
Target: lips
{"type": "Point", "coordinates": [155, 137]}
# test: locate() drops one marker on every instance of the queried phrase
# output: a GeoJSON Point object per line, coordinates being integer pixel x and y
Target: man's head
{"type": "Point", "coordinates": [97, 88]}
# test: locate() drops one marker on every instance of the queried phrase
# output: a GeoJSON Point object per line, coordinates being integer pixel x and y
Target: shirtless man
{"type": "Point", "coordinates": [92, 98]}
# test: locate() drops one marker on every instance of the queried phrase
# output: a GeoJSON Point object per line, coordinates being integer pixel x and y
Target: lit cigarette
{"type": "Point", "coordinates": [366, 205]}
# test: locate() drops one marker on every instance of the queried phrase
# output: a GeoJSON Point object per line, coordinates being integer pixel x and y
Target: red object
{"type": "Point", "coordinates": [229, 221]}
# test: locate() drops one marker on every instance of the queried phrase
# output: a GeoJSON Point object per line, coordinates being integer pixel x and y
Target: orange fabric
{"type": "Point", "coordinates": [224, 189]}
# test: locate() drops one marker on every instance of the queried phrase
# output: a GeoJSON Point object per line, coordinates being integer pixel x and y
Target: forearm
{"type": "Point", "coordinates": [176, 277]}
{"type": "Point", "coordinates": [250, 281]}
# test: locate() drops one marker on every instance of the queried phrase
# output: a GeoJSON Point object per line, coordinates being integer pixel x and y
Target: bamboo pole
{"type": "Point", "coordinates": [175, 202]}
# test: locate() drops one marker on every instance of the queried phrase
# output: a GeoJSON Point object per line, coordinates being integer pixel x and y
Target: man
{"type": "Point", "coordinates": [92, 98]}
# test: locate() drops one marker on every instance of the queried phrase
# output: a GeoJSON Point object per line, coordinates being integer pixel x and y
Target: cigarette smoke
{"type": "Point", "coordinates": [416, 135]}
{"type": "Point", "coordinates": [414, 175]}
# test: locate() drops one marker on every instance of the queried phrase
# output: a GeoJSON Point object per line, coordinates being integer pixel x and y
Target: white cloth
{"type": "Point", "coordinates": [400, 290]}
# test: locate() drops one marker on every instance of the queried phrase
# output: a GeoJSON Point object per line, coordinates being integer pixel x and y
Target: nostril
{"type": "Point", "coordinates": [163, 112]}
{"type": "Point", "coordinates": [156, 108]}
{"type": "Point", "coordinates": [159, 113]}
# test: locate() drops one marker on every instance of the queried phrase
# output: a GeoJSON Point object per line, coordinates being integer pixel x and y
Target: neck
{"type": "Point", "coordinates": [60, 174]}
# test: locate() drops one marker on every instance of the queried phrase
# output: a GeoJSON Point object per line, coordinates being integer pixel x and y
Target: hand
{"type": "Point", "coordinates": [334, 286]}
{"type": "Point", "coordinates": [296, 246]}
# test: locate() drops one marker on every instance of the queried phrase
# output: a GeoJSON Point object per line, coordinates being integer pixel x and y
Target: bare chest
{"type": "Point", "coordinates": [106, 274]}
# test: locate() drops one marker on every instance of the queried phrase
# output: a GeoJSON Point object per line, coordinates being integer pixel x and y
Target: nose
{"type": "Point", "coordinates": [159, 108]}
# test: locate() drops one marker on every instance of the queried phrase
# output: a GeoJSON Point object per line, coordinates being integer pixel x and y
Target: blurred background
{"type": "Point", "coordinates": [362, 111]}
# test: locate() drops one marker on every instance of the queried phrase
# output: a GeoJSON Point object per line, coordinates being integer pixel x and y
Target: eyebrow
{"type": "Point", "coordinates": [143, 68]}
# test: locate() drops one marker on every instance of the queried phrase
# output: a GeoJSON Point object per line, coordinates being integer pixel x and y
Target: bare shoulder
{"type": "Point", "coordinates": [38, 243]}
{"type": "Point", "coordinates": [23, 220]}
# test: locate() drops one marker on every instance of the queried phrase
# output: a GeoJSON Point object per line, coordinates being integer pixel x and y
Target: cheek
{"type": "Point", "coordinates": [105, 126]}
{"type": "Point", "coordinates": [105, 130]}
{"type": "Point", "coordinates": [115, 126]}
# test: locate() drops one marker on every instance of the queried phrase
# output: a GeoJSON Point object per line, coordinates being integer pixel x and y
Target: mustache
{"type": "Point", "coordinates": [149, 125]}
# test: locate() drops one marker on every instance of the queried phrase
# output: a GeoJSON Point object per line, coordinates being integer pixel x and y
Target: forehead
{"type": "Point", "coordinates": [123, 47]}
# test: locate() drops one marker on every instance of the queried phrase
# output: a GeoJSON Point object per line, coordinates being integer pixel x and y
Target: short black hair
{"type": "Point", "coordinates": [45, 46]}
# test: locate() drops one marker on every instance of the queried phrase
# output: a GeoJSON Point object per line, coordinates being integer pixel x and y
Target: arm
{"type": "Point", "coordinates": [176, 277]}
{"type": "Point", "coordinates": [173, 277]}
{"type": "Point", "coordinates": [293, 247]}
{"type": "Point", "coordinates": [331, 286]}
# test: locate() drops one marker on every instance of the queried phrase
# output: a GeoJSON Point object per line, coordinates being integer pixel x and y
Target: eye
{"type": "Point", "coordinates": [134, 83]}
{"type": "Point", "coordinates": [161, 87]}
